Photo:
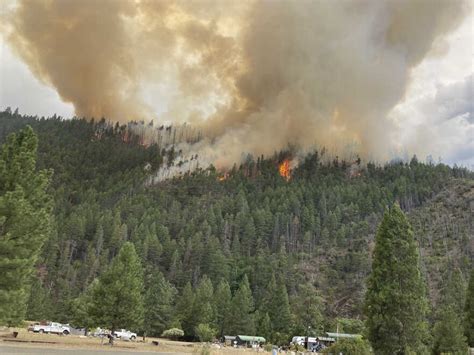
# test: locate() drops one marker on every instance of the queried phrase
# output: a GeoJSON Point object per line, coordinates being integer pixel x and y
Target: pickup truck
{"type": "Point", "coordinates": [52, 327]}
{"type": "Point", "coordinates": [31, 327]}
{"type": "Point", "coordinates": [125, 334]}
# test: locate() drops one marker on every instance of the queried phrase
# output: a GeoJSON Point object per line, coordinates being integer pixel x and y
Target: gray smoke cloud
{"type": "Point", "coordinates": [255, 76]}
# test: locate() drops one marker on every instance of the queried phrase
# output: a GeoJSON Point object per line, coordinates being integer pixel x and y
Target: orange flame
{"type": "Point", "coordinates": [284, 169]}
{"type": "Point", "coordinates": [223, 177]}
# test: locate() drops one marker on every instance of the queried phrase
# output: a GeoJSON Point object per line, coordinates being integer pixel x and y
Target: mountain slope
{"type": "Point", "coordinates": [313, 231]}
{"type": "Point", "coordinates": [445, 231]}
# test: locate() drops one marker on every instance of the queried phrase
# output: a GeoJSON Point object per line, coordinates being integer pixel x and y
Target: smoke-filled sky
{"type": "Point", "coordinates": [382, 78]}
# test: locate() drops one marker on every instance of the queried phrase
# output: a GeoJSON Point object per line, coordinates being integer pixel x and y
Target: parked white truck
{"type": "Point", "coordinates": [52, 327]}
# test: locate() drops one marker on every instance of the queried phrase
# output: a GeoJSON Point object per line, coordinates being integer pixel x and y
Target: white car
{"type": "Point", "coordinates": [52, 327]}
{"type": "Point", "coordinates": [125, 334]}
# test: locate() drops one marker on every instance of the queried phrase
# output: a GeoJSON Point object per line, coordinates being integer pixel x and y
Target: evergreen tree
{"type": "Point", "coordinates": [469, 311]}
{"type": "Point", "coordinates": [350, 325]}
{"type": "Point", "coordinates": [203, 305]}
{"type": "Point", "coordinates": [184, 310]}
{"type": "Point", "coordinates": [159, 299]}
{"type": "Point", "coordinates": [205, 332]}
{"type": "Point", "coordinates": [241, 318]}
{"type": "Point", "coordinates": [39, 304]}
{"type": "Point", "coordinates": [264, 324]}
{"type": "Point", "coordinates": [278, 307]}
{"type": "Point", "coordinates": [267, 304]}
{"type": "Point", "coordinates": [215, 264]}
{"type": "Point", "coordinates": [223, 303]}
{"type": "Point", "coordinates": [396, 304]}
{"type": "Point", "coordinates": [25, 221]}
{"type": "Point", "coordinates": [448, 330]}
{"type": "Point", "coordinates": [82, 315]}
{"type": "Point", "coordinates": [307, 310]}
{"type": "Point", "coordinates": [453, 291]}
{"type": "Point", "coordinates": [118, 297]}
{"type": "Point", "coordinates": [253, 223]}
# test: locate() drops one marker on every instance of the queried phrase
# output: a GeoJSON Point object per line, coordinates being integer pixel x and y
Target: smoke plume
{"type": "Point", "coordinates": [255, 76]}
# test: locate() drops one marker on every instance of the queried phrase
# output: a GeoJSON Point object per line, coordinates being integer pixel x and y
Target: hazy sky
{"type": "Point", "coordinates": [438, 106]}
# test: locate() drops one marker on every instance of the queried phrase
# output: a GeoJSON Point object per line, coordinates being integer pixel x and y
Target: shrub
{"type": "Point", "coordinates": [356, 346]}
{"type": "Point", "coordinates": [350, 325]}
{"type": "Point", "coordinates": [280, 339]}
{"type": "Point", "coordinates": [205, 333]}
{"type": "Point", "coordinates": [268, 347]}
{"type": "Point", "coordinates": [173, 333]}
{"type": "Point", "coordinates": [204, 350]}
{"type": "Point", "coordinates": [297, 347]}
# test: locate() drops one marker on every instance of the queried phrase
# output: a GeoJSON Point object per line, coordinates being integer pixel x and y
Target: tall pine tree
{"type": "Point", "coordinates": [223, 303]}
{"type": "Point", "coordinates": [307, 308]}
{"type": "Point", "coordinates": [118, 297]}
{"type": "Point", "coordinates": [469, 311]}
{"type": "Point", "coordinates": [278, 308]}
{"type": "Point", "coordinates": [184, 310]}
{"type": "Point", "coordinates": [25, 221]}
{"type": "Point", "coordinates": [448, 330]}
{"type": "Point", "coordinates": [159, 299]}
{"type": "Point", "coordinates": [203, 306]}
{"type": "Point", "coordinates": [241, 318]}
{"type": "Point", "coordinates": [82, 316]}
{"type": "Point", "coordinates": [396, 303]}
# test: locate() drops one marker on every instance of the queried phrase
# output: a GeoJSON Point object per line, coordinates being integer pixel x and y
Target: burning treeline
{"type": "Point", "coordinates": [253, 76]}
{"type": "Point", "coordinates": [178, 163]}
{"type": "Point", "coordinates": [166, 141]}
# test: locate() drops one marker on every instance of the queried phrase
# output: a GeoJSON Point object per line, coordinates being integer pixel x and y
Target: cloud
{"type": "Point", "coordinates": [451, 101]}
{"type": "Point", "coordinates": [441, 123]}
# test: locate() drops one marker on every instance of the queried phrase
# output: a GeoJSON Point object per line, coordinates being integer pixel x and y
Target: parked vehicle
{"type": "Point", "coordinates": [31, 326]}
{"type": "Point", "coordinates": [125, 334]}
{"type": "Point", "coordinates": [102, 333]}
{"type": "Point", "coordinates": [52, 327]}
{"type": "Point", "coordinates": [298, 340]}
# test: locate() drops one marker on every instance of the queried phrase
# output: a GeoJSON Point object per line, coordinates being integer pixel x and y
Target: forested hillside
{"type": "Point", "coordinates": [293, 252]}
{"type": "Point", "coordinates": [444, 229]}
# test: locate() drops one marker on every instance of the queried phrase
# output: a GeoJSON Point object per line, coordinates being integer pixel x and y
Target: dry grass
{"type": "Point", "coordinates": [29, 339]}
{"type": "Point", "coordinates": [74, 341]}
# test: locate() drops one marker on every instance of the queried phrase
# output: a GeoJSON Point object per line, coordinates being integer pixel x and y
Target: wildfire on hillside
{"type": "Point", "coordinates": [284, 169]}
{"type": "Point", "coordinates": [223, 177]}
{"type": "Point", "coordinates": [354, 170]}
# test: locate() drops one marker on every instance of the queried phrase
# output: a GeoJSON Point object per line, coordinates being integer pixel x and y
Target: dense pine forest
{"type": "Point", "coordinates": [247, 251]}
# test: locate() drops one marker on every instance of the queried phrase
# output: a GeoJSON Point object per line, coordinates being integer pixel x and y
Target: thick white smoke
{"type": "Point", "coordinates": [254, 76]}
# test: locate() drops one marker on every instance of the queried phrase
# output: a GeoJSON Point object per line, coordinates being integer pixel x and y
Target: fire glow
{"type": "Point", "coordinates": [284, 169]}
{"type": "Point", "coordinates": [223, 177]}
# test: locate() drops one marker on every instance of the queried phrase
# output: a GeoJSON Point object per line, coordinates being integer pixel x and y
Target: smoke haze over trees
{"type": "Point", "coordinates": [255, 76]}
